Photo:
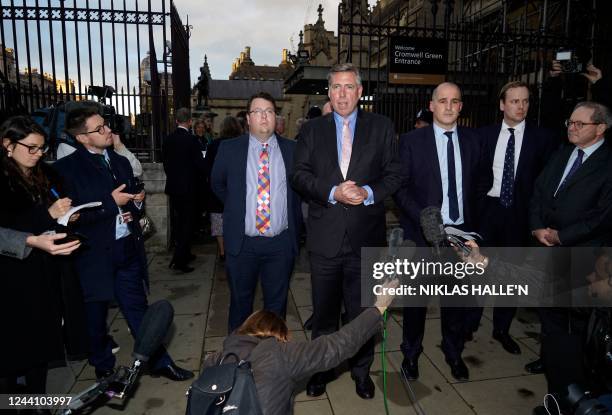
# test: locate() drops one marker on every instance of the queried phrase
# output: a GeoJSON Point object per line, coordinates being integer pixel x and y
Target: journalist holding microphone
{"type": "Point", "coordinates": [279, 364]}
{"type": "Point", "coordinates": [30, 288]}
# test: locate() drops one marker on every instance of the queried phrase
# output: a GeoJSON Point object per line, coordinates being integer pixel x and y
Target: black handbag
{"type": "Point", "coordinates": [227, 388]}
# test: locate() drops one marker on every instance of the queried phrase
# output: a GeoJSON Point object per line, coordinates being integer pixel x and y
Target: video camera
{"type": "Point", "coordinates": [118, 124]}
{"type": "Point", "coordinates": [573, 60]}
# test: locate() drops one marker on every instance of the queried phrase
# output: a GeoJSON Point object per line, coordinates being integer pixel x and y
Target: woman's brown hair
{"type": "Point", "coordinates": [36, 184]}
{"type": "Point", "coordinates": [264, 323]}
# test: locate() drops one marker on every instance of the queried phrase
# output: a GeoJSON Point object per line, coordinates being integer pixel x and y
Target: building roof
{"type": "Point", "coordinates": [244, 88]}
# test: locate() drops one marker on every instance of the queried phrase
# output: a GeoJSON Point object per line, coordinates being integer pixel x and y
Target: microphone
{"type": "Point", "coordinates": [433, 228]}
{"type": "Point", "coordinates": [435, 234]}
{"type": "Point", "coordinates": [397, 242]}
{"type": "Point", "coordinates": [153, 329]}
{"type": "Point", "coordinates": [396, 238]}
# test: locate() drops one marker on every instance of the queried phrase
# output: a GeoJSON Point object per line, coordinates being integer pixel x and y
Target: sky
{"type": "Point", "coordinates": [222, 28]}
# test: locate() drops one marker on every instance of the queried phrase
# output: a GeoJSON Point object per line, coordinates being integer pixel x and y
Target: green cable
{"type": "Point", "coordinates": [384, 366]}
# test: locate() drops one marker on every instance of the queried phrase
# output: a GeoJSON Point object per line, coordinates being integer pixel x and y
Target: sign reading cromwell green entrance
{"type": "Point", "coordinates": [420, 61]}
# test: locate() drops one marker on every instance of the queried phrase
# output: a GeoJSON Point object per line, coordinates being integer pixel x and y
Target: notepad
{"type": "Point", "coordinates": [63, 220]}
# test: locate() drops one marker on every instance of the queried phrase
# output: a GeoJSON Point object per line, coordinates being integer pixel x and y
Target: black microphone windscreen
{"type": "Point", "coordinates": [432, 226]}
{"type": "Point", "coordinates": [153, 329]}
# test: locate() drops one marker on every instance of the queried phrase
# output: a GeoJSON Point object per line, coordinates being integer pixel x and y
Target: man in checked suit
{"type": "Point", "coordinates": [572, 206]}
{"type": "Point", "coordinates": [345, 166]}
{"type": "Point", "coordinates": [261, 215]}
{"type": "Point", "coordinates": [514, 154]}
{"type": "Point", "coordinates": [431, 178]}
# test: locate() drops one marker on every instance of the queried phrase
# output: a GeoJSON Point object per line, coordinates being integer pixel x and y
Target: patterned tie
{"type": "Point", "coordinates": [262, 218]}
{"type": "Point", "coordinates": [347, 148]}
{"type": "Point", "coordinates": [573, 169]}
{"type": "Point", "coordinates": [506, 195]}
{"type": "Point", "coordinates": [453, 203]}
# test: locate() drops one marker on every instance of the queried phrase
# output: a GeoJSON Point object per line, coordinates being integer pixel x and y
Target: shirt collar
{"type": "Point", "coordinates": [518, 129]}
{"type": "Point", "coordinates": [184, 128]}
{"type": "Point", "coordinates": [104, 153]}
{"type": "Point", "coordinates": [590, 149]}
{"type": "Point", "coordinates": [351, 117]}
{"type": "Point", "coordinates": [255, 143]}
{"type": "Point", "coordinates": [439, 131]}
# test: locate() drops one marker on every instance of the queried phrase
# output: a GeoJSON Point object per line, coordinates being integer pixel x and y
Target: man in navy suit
{"type": "Point", "coordinates": [514, 153]}
{"type": "Point", "coordinates": [184, 166]}
{"type": "Point", "coordinates": [441, 166]}
{"type": "Point", "coordinates": [112, 263]}
{"type": "Point", "coordinates": [571, 206]}
{"type": "Point", "coordinates": [261, 213]}
{"type": "Point", "coordinates": [346, 166]}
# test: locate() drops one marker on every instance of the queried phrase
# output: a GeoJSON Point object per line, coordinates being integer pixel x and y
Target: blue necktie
{"type": "Point", "coordinates": [453, 204]}
{"type": "Point", "coordinates": [506, 195]}
{"type": "Point", "coordinates": [573, 169]}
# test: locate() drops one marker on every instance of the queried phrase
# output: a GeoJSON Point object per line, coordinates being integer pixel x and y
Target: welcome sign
{"type": "Point", "coordinates": [420, 61]}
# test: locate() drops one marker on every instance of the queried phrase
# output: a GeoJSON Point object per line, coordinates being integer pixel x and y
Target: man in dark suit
{"type": "Point", "coordinates": [345, 166]}
{"type": "Point", "coordinates": [514, 153]}
{"type": "Point", "coordinates": [261, 214]}
{"type": "Point", "coordinates": [572, 206]}
{"type": "Point", "coordinates": [184, 166]}
{"type": "Point", "coordinates": [432, 178]}
{"type": "Point", "coordinates": [112, 265]}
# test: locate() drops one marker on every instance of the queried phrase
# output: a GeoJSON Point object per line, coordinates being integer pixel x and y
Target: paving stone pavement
{"type": "Point", "coordinates": [498, 383]}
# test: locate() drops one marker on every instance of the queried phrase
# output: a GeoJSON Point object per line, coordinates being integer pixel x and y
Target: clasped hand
{"type": "Point", "coordinates": [350, 194]}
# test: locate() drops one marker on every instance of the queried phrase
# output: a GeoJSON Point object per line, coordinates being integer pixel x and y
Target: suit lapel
{"type": "Point", "coordinates": [359, 140]}
{"type": "Point", "coordinates": [591, 164]}
{"type": "Point", "coordinates": [330, 145]}
{"type": "Point", "coordinates": [465, 162]}
{"type": "Point", "coordinates": [243, 151]}
{"type": "Point", "coordinates": [527, 150]}
{"type": "Point", "coordinates": [434, 162]}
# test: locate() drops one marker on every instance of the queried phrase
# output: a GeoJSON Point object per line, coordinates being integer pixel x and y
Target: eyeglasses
{"type": "Point", "coordinates": [34, 149]}
{"type": "Point", "coordinates": [259, 112]}
{"type": "Point", "coordinates": [579, 124]}
{"type": "Point", "coordinates": [99, 129]}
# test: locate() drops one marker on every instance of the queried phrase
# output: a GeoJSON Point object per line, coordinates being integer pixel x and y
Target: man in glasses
{"type": "Point", "coordinates": [572, 207]}
{"type": "Point", "coordinates": [113, 266]}
{"type": "Point", "coordinates": [261, 213]}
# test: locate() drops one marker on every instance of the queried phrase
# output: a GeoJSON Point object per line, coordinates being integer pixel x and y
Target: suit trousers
{"type": "Point", "coordinates": [132, 299]}
{"type": "Point", "coordinates": [267, 258]}
{"type": "Point", "coordinates": [183, 211]}
{"type": "Point", "coordinates": [453, 322]}
{"type": "Point", "coordinates": [335, 280]}
{"type": "Point", "coordinates": [500, 227]}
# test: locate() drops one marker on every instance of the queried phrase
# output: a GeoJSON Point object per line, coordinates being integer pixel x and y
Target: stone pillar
{"type": "Point", "coordinates": [154, 178]}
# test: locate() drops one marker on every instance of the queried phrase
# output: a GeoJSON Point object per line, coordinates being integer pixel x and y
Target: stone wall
{"type": "Point", "coordinates": [157, 206]}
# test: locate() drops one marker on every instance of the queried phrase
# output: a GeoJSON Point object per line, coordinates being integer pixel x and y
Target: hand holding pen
{"type": "Point", "coordinates": [60, 206]}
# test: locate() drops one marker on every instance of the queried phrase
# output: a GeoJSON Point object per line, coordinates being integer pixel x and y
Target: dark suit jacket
{"type": "Point", "coordinates": [582, 209]}
{"type": "Point", "coordinates": [183, 164]}
{"type": "Point", "coordinates": [86, 180]}
{"type": "Point", "coordinates": [228, 180]}
{"type": "Point", "coordinates": [422, 183]}
{"type": "Point", "coordinates": [373, 162]}
{"type": "Point", "coordinates": [538, 145]}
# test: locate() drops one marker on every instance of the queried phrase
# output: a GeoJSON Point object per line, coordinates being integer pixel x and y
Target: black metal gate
{"type": "Point", "coordinates": [54, 51]}
{"type": "Point", "coordinates": [490, 42]}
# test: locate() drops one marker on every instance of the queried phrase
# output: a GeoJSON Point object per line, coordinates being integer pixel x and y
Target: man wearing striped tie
{"type": "Point", "coordinates": [261, 213]}
{"type": "Point", "coordinates": [346, 166]}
